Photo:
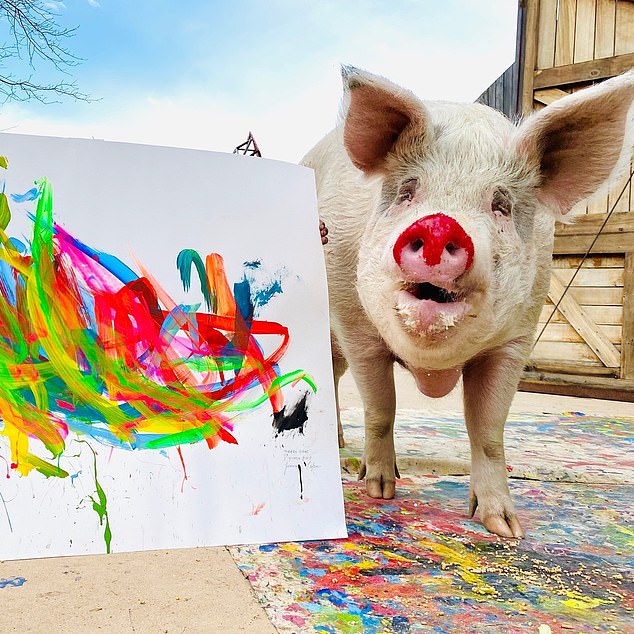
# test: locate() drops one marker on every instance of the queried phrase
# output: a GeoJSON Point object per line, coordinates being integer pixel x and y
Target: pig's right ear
{"type": "Point", "coordinates": [380, 118]}
{"type": "Point", "coordinates": [580, 142]}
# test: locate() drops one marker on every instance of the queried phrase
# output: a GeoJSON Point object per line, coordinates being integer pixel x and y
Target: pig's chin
{"type": "Point", "coordinates": [429, 311]}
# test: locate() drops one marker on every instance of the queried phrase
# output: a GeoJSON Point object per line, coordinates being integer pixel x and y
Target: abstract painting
{"type": "Point", "coordinates": [164, 351]}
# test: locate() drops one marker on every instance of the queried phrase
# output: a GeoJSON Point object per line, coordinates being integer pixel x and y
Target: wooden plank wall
{"type": "Point", "coordinates": [597, 289]}
{"type": "Point", "coordinates": [571, 34]}
{"type": "Point", "coordinates": [589, 342]}
{"type": "Point", "coordinates": [575, 31]}
{"type": "Point", "coordinates": [592, 36]}
{"type": "Point", "coordinates": [504, 93]}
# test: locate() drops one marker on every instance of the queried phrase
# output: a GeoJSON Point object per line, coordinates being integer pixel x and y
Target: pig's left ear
{"type": "Point", "coordinates": [581, 141]}
{"type": "Point", "coordinates": [381, 119]}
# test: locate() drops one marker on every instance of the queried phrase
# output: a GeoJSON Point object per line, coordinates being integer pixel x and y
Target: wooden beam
{"type": "Point", "coordinates": [608, 243]}
{"type": "Point", "coordinates": [616, 237]}
{"type": "Point", "coordinates": [548, 95]}
{"type": "Point", "coordinates": [589, 224]}
{"type": "Point", "coordinates": [529, 37]}
{"type": "Point", "coordinates": [592, 335]}
{"type": "Point", "coordinates": [601, 315]}
{"type": "Point", "coordinates": [567, 367]}
{"type": "Point", "coordinates": [583, 387]}
{"type": "Point", "coordinates": [584, 71]}
{"type": "Point", "coordinates": [627, 335]}
{"type": "Point", "coordinates": [561, 333]}
{"type": "Point", "coordinates": [593, 276]}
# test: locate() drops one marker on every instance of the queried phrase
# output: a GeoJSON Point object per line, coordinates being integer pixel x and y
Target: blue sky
{"type": "Point", "coordinates": [203, 73]}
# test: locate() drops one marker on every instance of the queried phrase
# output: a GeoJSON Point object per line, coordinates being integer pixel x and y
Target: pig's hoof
{"type": "Point", "coordinates": [379, 485]}
{"type": "Point", "coordinates": [507, 526]}
{"type": "Point", "coordinates": [380, 489]}
{"type": "Point", "coordinates": [504, 523]}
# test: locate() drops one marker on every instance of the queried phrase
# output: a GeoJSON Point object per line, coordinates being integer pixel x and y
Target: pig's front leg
{"type": "Point", "coordinates": [374, 376]}
{"type": "Point", "coordinates": [490, 382]}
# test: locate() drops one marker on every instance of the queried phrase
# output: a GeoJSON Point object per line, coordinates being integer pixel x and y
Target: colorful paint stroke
{"type": "Point", "coordinates": [418, 564]}
{"type": "Point", "coordinates": [90, 347]}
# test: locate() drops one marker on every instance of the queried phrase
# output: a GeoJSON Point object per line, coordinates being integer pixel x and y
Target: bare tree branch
{"type": "Point", "coordinates": [36, 37]}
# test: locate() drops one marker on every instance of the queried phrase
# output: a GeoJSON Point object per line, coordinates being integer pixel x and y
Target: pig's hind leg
{"type": "Point", "coordinates": [339, 367]}
{"type": "Point", "coordinates": [490, 382]}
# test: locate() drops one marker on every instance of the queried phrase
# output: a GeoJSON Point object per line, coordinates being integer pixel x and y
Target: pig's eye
{"type": "Point", "coordinates": [407, 190]}
{"type": "Point", "coordinates": [501, 203]}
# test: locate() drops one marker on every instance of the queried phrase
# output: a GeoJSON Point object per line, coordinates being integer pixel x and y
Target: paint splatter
{"type": "Point", "coordinates": [257, 508]}
{"type": "Point", "coordinates": [100, 503]}
{"type": "Point", "coordinates": [12, 582]}
{"type": "Point", "coordinates": [293, 420]}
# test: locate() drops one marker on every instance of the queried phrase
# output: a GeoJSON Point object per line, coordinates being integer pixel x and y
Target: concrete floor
{"type": "Point", "coordinates": [191, 590]}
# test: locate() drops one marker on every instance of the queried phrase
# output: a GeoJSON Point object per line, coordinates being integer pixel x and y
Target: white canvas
{"type": "Point", "coordinates": [143, 205]}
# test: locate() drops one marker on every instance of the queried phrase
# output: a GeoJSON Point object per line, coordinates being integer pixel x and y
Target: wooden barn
{"type": "Point", "coordinates": [585, 346]}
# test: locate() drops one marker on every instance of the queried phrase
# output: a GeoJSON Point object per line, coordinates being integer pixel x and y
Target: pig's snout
{"type": "Point", "coordinates": [434, 249]}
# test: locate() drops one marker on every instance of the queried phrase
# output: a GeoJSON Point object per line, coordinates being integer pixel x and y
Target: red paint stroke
{"type": "Point", "coordinates": [180, 455]}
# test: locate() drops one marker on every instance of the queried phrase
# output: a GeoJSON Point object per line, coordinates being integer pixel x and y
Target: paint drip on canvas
{"type": "Point", "coordinates": [88, 346]}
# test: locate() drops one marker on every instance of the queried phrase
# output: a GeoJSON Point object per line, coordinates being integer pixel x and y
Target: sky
{"type": "Point", "coordinates": [202, 74]}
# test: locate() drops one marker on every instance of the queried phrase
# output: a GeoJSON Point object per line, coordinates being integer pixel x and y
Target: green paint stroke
{"type": "Point", "coordinates": [99, 505]}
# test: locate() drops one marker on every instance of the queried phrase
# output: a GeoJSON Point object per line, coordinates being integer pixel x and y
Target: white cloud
{"type": "Point", "coordinates": [54, 5]}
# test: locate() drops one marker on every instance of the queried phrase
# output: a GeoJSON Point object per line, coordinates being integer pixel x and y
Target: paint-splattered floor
{"type": "Point", "coordinates": [417, 563]}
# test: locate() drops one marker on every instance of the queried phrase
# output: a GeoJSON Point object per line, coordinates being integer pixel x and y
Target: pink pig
{"type": "Point", "coordinates": [441, 221]}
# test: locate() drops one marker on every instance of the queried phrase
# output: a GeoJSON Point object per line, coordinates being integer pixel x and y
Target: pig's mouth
{"type": "Point", "coordinates": [428, 310]}
{"type": "Point", "coordinates": [425, 290]}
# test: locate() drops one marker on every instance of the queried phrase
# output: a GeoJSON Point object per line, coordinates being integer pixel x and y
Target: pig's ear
{"type": "Point", "coordinates": [581, 141]}
{"type": "Point", "coordinates": [380, 118]}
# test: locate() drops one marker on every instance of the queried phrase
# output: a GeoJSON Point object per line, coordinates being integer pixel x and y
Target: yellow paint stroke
{"type": "Point", "coordinates": [466, 563]}
{"type": "Point", "coordinates": [626, 531]}
{"type": "Point", "coordinates": [584, 603]}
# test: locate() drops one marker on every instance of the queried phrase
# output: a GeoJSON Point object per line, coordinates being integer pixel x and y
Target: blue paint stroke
{"type": "Point", "coordinates": [242, 294]}
{"type": "Point", "coordinates": [18, 244]}
{"type": "Point", "coordinates": [12, 582]}
{"type": "Point", "coordinates": [264, 295]}
{"type": "Point", "coordinates": [109, 262]}
{"type": "Point", "coordinates": [32, 194]}
{"type": "Point", "coordinates": [262, 290]}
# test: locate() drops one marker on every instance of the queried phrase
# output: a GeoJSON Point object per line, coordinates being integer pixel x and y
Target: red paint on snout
{"type": "Point", "coordinates": [434, 233]}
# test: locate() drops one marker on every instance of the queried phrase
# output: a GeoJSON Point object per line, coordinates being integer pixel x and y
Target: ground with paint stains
{"type": "Point", "coordinates": [417, 563]}
{"type": "Point", "coordinates": [570, 447]}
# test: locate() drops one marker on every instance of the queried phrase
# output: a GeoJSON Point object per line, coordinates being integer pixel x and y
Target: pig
{"type": "Point", "coordinates": [441, 224]}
